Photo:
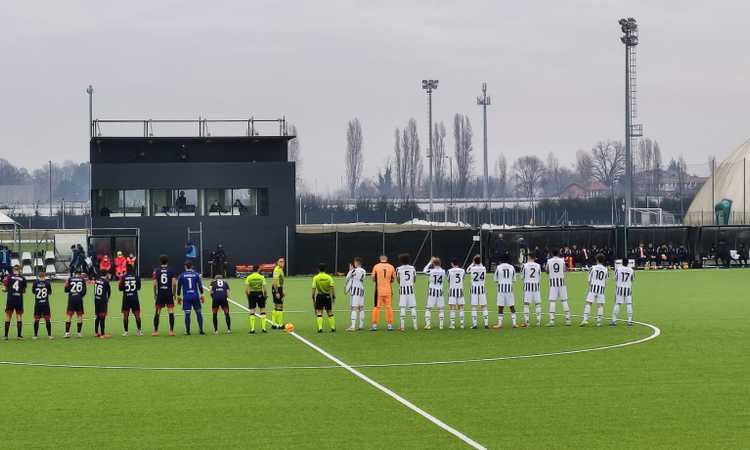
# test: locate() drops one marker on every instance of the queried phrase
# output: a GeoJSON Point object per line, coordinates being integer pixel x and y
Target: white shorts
{"type": "Point", "coordinates": [598, 298]}
{"type": "Point", "coordinates": [436, 302]}
{"type": "Point", "coordinates": [532, 297]}
{"type": "Point", "coordinates": [507, 299]}
{"type": "Point", "coordinates": [558, 293]}
{"type": "Point", "coordinates": [479, 299]}
{"type": "Point", "coordinates": [460, 300]}
{"type": "Point", "coordinates": [407, 301]}
{"type": "Point", "coordinates": [627, 299]}
{"type": "Point", "coordinates": [358, 301]}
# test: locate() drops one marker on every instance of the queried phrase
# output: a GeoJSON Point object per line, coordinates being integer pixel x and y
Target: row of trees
{"type": "Point", "coordinates": [70, 180]}
{"type": "Point", "coordinates": [404, 176]}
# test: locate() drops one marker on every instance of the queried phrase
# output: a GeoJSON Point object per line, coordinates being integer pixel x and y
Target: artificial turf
{"type": "Point", "coordinates": [688, 388]}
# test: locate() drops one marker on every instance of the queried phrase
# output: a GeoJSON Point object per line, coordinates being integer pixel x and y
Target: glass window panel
{"type": "Point", "coordinates": [161, 202]}
{"type": "Point", "coordinates": [185, 202]}
{"type": "Point", "coordinates": [135, 203]}
{"type": "Point", "coordinates": [218, 202]}
{"type": "Point", "coordinates": [108, 202]}
{"type": "Point", "coordinates": [244, 202]}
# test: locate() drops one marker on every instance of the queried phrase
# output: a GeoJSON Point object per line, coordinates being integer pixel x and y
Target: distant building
{"type": "Point", "coordinates": [583, 191]}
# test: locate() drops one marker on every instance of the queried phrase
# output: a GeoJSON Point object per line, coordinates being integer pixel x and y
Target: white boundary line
{"type": "Point", "coordinates": [466, 439]}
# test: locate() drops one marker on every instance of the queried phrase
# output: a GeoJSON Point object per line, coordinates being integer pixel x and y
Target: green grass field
{"type": "Point", "coordinates": [688, 388]}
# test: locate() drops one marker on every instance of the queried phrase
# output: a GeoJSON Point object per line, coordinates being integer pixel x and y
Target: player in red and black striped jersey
{"type": "Point", "coordinates": [102, 292]}
{"type": "Point", "coordinates": [165, 286]}
{"type": "Point", "coordinates": [42, 289]}
{"type": "Point", "coordinates": [15, 285]}
{"type": "Point", "coordinates": [75, 287]}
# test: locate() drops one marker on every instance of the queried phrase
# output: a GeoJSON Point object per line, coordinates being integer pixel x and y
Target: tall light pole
{"type": "Point", "coordinates": [629, 28]}
{"type": "Point", "coordinates": [450, 164]}
{"type": "Point", "coordinates": [429, 86]}
{"type": "Point", "coordinates": [90, 92]}
{"type": "Point", "coordinates": [484, 101]}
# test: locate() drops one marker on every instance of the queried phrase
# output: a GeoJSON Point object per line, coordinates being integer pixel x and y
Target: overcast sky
{"type": "Point", "coordinates": [554, 70]}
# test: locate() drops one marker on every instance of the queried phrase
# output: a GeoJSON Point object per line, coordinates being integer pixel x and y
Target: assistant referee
{"type": "Point", "coordinates": [323, 296]}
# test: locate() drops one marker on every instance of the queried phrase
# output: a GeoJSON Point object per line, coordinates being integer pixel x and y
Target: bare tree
{"type": "Point", "coordinates": [408, 160]}
{"type": "Point", "coordinates": [609, 166]}
{"type": "Point", "coordinates": [584, 166]}
{"type": "Point", "coordinates": [558, 177]}
{"type": "Point", "coordinates": [438, 150]}
{"type": "Point", "coordinates": [410, 146]}
{"type": "Point", "coordinates": [528, 172]}
{"type": "Point", "coordinates": [501, 174]}
{"type": "Point", "coordinates": [384, 183]}
{"type": "Point", "coordinates": [354, 157]}
{"type": "Point", "coordinates": [656, 172]}
{"type": "Point", "coordinates": [608, 162]}
{"type": "Point", "coordinates": [462, 135]}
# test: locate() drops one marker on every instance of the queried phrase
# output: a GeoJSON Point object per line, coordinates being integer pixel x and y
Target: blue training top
{"type": "Point", "coordinates": [189, 285]}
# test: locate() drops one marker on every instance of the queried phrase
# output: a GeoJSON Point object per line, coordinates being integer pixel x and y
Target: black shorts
{"type": "Point", "coordinates": [14, 304]}
{"type": "Point", "coordinates": [256, 300]}
{"type": "Point", "coordinates": [100, 307]}
{"type": "Point", "coordinates": [41, 310]}
{"type": "Point", "coordinates": [323, 301]}
{"type": "Point", "coordinates": [75, 306]}
{"type": "Point", "coordinates": [217, 304]}
{"type": "Point", "coordinates": [164, 299]}
{"type": "Point", "coordinates": [278, 295]}
{"type": "Point", "coordinates": [131, 304]}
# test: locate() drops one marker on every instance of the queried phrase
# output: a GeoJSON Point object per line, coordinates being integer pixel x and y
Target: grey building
{"type": "Point", "coordinates": [152, 195]}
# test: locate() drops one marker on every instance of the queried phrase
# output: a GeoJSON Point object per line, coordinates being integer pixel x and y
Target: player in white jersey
{"type": "Point", "coordinates": [456, 298]}
{"type": "Point", "coordinates": [505, 278]}
{"type": "Point", "coordinates": [435, 298]}
{"type": "Point", "coordinates": [406, 275]}
{"type": "Point", "coordinates": [355, 287]}
{"type": "Point", "coordinates": [532, 282]}
{"type": "Point", "coordinates": [557, 288]}
{"type": "Point", "coordinates": [477, 274]}
{"type": "Point", "coordinates": [624, 276]}
{"type": "Point", "coordinates": [597, 285]}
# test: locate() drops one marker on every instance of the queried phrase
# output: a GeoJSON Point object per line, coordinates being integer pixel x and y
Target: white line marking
{"type": "Point", "coordinates": [466, 439]}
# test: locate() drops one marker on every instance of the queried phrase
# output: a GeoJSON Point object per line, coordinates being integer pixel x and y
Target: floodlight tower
{"type": "Point", "coordinates": [629, 28]}
{"type": "Point", "coordinates": [429, 86]}
{"type": "Point", "coordinates": [485, 101]}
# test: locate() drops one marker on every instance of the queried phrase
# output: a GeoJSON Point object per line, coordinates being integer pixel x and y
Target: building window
{"type": "Point", "coordinates": [134, 203]}
{"type": "Point", "coordinates": [174, 202]}
{"type": "Point", "coordinates": [253, 201]}
{"type": "Point", "coordinates": [120, 203]}
{"type": "Point", "coordinates": [218, 202]}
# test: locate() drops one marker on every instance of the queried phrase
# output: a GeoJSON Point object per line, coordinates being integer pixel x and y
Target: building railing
{"type": "Point", "coordinates": [240, 127]}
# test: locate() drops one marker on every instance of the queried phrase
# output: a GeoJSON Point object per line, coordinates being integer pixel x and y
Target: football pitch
{"type": "Point", "coordinates": [561, 387]}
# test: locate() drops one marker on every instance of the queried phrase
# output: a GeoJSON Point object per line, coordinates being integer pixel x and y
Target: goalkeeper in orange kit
{"type": "Point", "coordinates": [383, 274]}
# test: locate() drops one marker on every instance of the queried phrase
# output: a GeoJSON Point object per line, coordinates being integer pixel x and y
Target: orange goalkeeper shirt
{"type": "Point", "coordinates": [383, 275]}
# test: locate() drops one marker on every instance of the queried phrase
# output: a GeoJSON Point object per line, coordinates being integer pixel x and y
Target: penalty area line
{"type": "Point", "coordinates": [461, 436]}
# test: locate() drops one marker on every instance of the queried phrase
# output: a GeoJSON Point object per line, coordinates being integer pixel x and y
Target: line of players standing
{"type": "Point", "coordinates": [504, 277]}
{"type": "Point", "coordinates": [186, 289]}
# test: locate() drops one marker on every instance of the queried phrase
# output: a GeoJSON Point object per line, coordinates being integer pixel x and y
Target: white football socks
{"type": "Point", "coordinates": [441, 317]}
{"type": "Point", "coordinates": [566, 310]}
{"type": "Point", "coordinates": [414, 317]}
{"type": "Point", "coordinates": [354, 318]}
{"type": "Point", "coordinates": [485, 316]}
{"type": "Point", "coordinates": [538, 312]}
{"type": "Point", "coordinates": [586, 311]}
{"type": "Point", "coordinates": [402, 314]}
{"type": "Point", "coordinates": [526, 313]}
{"type": "Point", "coordinates": [453, 318]}
{"type": "Point", "coordinates": [428, 317]}
{"type": "Point", "coordinates": [361, 318]}
{"type": "Point", "coordinates": [552, 306]}
{"type": "Point", "coordinates": [615, 311]}
{"type": "Point", "coordinates": [599, 313]}
{"type": "Point", "coordinates": [629, 310]}
{"type": "Point", "coordinates": [461, 317]}
{"type": "Point", "coordinates": [473, 316]}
